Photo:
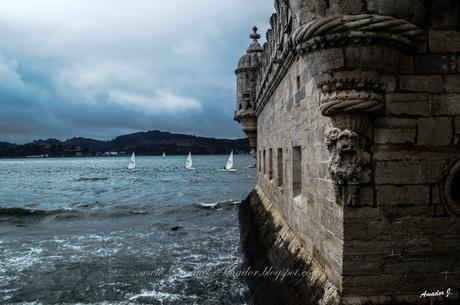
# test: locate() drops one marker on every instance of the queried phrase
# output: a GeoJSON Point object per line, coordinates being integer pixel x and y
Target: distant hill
{"type": "Point", "coordinates": [143, 143]}
{"type": "Point", "coordinates": [5, 145]}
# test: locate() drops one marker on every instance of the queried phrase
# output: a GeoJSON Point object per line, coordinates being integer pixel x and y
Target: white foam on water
{"type": "Point", "coordinates": [157, 295]}
{"type": "Point", "coordinates": [4, 293]}
{"type": "Point", "coordinates": [209, 205]}
{"type": "Point", "coordinates": [24, 261]}
{"type": "Point", "coordinates": [106, 303]}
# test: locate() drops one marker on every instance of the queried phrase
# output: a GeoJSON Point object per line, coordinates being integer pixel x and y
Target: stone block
{"type": "Point", "coordinates": [390, 83]}
{"type": "Point", "coordinates": [408, 103]}
{"type": "Point", "coordinates": [411, 10]}
{"type": "Point", "coordinates": [421, 83]}
{"type": "Point", "coordinates": [452, 83]}
{"type": "Point", "coordinates": [406, 64]}
{"type": "Point", "coordinates": [362, 265]}
{"type": "Point", "coordinates": [457, 125]}
{"type": "Point", "coordinates": [324, 60]}
{"type": "Point", "coordinates": [392, 122]}
{"type": "Point", "coordinates": [445, 104]}
{"type": "Point", "coordinates": [371, 57]}
{"type": "Point", "coordinates": [359, 247]}
{"type": "Point", "coordinates": [394, 135]}
{"type": "Point", "coordinates": [435, 64]}
{"type": "Point", "coordinates": [388, 195]}
{"type": "Point", "coordinates": [340, 7]}
{"type": "Point", "coordinates": [409, 172]}
{"type": "Point", "coordinates": [434, 131]}
{"type": "Point", "coordinates": [444, 41]}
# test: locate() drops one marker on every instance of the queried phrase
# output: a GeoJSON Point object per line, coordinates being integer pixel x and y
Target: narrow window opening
{"type": "Point", "coordinates": [296, 171]}
{"type": "Point", "coordinates": [297, 81]}
{"type": "Point", "coordinates": [270, 164]}
{"type": "Point", "coordinates": [259, 161]}
{"type": "Point", "coordinates": [280, 167]}
{"type": "Point", "coordinates": [264, 162]}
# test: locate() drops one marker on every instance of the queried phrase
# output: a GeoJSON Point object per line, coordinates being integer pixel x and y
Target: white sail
{"type": "Point", "coordinates": [229, 164]}
{"type": "Point", "coordinates": [189, 162]}
{"type": "Point", "coordinates": [132, 162]}
{"type": "Point", "coordinates": [164, 155]}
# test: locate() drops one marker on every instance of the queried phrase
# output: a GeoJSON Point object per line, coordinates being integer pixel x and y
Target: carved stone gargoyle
{"type": "Point", "coordinates": [349, 164]}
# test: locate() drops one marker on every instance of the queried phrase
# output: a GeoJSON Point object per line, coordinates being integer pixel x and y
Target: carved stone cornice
{"type": "Point", "coordinates": [332, 32]}
{"type": "Point", "coordinates": [361, 29]}
{"type": "Point", "coordinates": [351, 92]}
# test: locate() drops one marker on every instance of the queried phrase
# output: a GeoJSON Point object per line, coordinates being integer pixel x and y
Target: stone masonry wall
{"type": "Point", "coordinates": [405, 238]}
{"type": "Point", "coordinates": [368, 93]}
{"type": "Point", "coordinates": [291, 118]}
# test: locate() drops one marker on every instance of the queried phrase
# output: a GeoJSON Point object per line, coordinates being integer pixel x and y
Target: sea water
{"type": "Point", "coordinates": [88, 231]}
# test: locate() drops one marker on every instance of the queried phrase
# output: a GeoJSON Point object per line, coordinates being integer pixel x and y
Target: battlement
{"type": "Point", "coordinates": [352, 109]}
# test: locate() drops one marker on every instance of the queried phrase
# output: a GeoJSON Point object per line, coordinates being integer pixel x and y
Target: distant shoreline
{"type": "Point", "coordinates": [150, 143]}
{"type": "Point", "coordinates": [112, 157]}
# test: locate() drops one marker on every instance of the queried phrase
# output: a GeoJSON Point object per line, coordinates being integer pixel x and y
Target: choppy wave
{"type": "Point", "coordinates": [68, 214]}
{"type": "Point", "coordinates": [92, 179]}
{"type": "Point", "coordinates": [100, 210]}
{"type": "Point", "coordinates": [22, 212]}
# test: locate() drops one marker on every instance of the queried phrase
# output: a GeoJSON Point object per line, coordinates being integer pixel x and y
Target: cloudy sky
{"type": "Point", "coordinates": [101, 68]}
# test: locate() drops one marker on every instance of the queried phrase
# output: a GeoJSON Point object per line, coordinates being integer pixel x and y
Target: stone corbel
{"type": "Point", "coordinates": [350, 99]}
{"type": "Point", "coordinates": [249, 127]}
{"type": "Point", "coordinates": [358, 50]}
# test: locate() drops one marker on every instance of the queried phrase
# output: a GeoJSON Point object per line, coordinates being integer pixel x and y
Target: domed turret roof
{"type": "Point", "coordinates": [253, 54]}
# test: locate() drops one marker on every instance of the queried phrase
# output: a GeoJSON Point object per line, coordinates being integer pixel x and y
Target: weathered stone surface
{"type": "Point", "coordinates": [408, 104]}
{"type": "Point", "coordinates": [409, 172]}
{"type": "Point", "coordinates": [434, 131]}
{"type": "Point", "coordinates": [406, 64]}
{"type": "Point", "coordinates": [395, 130]}
{"type": "Point", "coordinates": [338, 7]}
{"type": "Point", "coordinates": [366, 109]}
{"type": "Point", "coordinates": [388, 195]}
{"type": "Point", "coordinates": [269, 244]}
{"type": "Point", "coordinates": [457, 125]}
{"type": "Point", "coordinates": [435, 64]}
{"type": "Point", "coordinates": [444, 41]}
{"type": "Point", "coordinates": [444, 15]}
{"type": "Point", "coordinates": [411, 10]}
{"type": "Point", "coordinates": [445, 104]}
{"type": "Point", "coordinates": [422, 83]}
{"type": "Point", "coordinates": [452, 83]}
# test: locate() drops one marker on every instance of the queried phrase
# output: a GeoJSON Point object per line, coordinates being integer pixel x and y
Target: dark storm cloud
{"type": "Point", "coordinates": [101, 68]}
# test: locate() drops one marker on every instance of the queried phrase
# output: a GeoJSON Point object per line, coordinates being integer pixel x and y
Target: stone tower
{"type": "Point", "coordinates": [353, 108]}
{"type": "Point", "coordinates": [246, 90]}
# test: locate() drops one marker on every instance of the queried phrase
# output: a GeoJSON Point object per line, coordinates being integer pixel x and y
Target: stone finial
{"type": "Point", "coordinates": [254, 36]}
{"type": "Point", "coordinates": [254, 46]}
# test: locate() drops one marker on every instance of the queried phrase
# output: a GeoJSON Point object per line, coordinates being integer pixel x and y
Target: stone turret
{"type": "Point", "coordinates": [246, 89]}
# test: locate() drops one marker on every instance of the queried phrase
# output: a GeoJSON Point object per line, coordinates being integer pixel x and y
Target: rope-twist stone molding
{"type": "Point", "coordinates": [356, 27]}
{"type": "Point", "coordinates": [351, 101]}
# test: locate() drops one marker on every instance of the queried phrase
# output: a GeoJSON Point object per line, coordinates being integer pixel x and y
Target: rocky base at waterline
{"type": "Point", "coordinates": [271, 250]}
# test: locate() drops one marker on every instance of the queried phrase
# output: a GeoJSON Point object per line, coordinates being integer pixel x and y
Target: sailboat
{"type": "Point", "coordinates": [229, 166]}
{"type": "Point", "coordinates": [132, 162]}
{"type": "Point", "coordinates": [164, 155]}
{"type": "Point", "coordinates": [189, 162]}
